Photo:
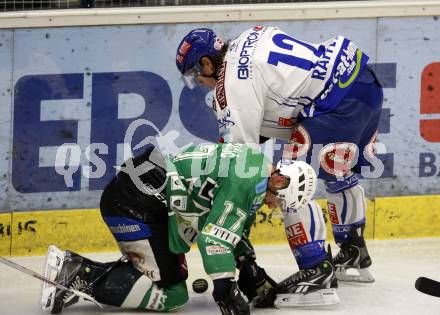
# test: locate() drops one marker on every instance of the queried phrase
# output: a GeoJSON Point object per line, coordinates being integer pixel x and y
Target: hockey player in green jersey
{"type": "Point", "coordinates": [157, 208]}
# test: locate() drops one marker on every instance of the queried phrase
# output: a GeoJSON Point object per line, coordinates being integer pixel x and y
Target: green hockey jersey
{"type": "Point", "coordinates": [213, 193]}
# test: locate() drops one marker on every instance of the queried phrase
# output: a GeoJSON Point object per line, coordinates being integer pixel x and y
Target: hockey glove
{"type": "Point", "coordinates": [228, 297]}
{"type": "Point", "coordinates": [254, 282]}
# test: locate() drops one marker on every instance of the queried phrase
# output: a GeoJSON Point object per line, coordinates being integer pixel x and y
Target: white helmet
{"type": "Point", "coordinates": [302, 185]}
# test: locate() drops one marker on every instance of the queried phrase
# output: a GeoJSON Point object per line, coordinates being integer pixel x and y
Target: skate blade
{"type": "Point", "coordinates": [354, 275]}
{"type": "Point", "coordinates": [316, 298]}
{"type": "Point", "coordinates": [53, 265]}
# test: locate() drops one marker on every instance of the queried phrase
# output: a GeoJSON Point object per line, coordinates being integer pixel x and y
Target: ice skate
{"type": "Point", "coordinates": [309, 287]}
{"type": "Point", "coordinates": [68, 269]}
{"type": "Point", "coordinates": [352, 264]}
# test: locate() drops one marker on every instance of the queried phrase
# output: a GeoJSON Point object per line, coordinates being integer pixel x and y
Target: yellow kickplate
{"type": "Point", "coordinates": [268, 227]}
{"type": "Point", "coordinates": [407, 217]}
{"type": "Point", "coordinates": [76, 230]}
{"type": "Point", "coordinates": [5, 234]}
{"type": "Point", "coordinates": [29, 233]}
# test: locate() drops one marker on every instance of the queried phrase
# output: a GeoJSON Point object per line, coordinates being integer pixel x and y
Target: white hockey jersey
{"type": "Point", "coordinates": [269, 78]}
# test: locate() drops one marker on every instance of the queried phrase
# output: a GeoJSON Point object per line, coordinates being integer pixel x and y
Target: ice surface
{"type": "Point", "coordinates": [396, 266]}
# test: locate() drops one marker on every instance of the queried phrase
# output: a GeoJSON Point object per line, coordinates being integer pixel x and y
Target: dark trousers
{"type": "Point", "coordinates": [134, 217]}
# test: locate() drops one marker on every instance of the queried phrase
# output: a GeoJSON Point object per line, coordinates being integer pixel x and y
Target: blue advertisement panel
{"type": "Point", "coordinates": [69, 97]}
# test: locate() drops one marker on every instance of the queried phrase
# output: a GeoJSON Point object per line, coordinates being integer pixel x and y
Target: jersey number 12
{"type": "Point", "coordinates": [284, 41]}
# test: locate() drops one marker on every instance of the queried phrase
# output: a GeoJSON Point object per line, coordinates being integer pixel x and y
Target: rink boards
{"type": "Point", "coordinates": [29, 233]}
{"type": "Point", "coordinates": [75, 94]}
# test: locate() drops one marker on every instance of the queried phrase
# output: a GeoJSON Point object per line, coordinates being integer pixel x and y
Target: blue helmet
{"type": "Point", "coordinates": [195, 45]}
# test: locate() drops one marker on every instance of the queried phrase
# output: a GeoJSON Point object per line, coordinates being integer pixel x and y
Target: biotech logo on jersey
{"type": "Point", "coordinates": [296, 235]}
{"type": "Point", "coordinates": [220, 92]}
{"type": "Point", "coordinates": [337, 158]}
{"type": "Point", "coordinates": [332, 213]}
{"type": "Point", "coordinates": [299, 143]}
{"type": "Point", "coordinates": [247, 51]}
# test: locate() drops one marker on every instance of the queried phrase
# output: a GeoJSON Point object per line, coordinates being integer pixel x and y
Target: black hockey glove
{"type": "Point", "coordinates": [254, 282]}
{"type": "Point", "coordinates": [228, 297]}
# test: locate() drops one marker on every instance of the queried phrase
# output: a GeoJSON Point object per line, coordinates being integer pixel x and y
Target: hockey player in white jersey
{"type": "Point", "coordinates": [323, 99]}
